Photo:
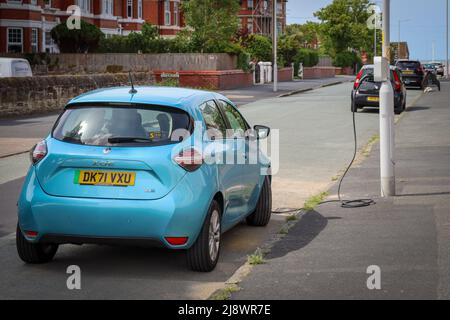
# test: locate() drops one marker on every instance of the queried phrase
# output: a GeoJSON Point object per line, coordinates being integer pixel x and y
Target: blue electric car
{"type": "Point", "coordinates": [144, 167]}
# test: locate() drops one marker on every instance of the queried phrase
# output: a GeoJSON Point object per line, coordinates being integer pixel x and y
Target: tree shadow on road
{"type": "Point", "coordinates": [306, 230]}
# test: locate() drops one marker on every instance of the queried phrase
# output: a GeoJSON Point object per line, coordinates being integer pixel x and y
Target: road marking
{"type": "Point", "coordinates": [14, 167]}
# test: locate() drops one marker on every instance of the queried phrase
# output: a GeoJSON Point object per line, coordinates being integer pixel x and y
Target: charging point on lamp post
{"type": "Point", "coordinates": [387, 167]}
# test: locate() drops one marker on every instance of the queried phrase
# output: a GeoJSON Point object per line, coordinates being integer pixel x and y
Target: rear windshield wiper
{"type": "Point", "coordinates": [128, 139]}
{"type": "Point", "coordinates": [72, 139]}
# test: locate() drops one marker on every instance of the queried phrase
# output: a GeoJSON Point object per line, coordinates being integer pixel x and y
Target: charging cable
{"type": "Point", "coordinates": [347, 204]}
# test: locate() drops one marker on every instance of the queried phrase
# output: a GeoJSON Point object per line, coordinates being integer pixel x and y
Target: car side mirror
{"type": "Point", "coordinates": [262, 131]}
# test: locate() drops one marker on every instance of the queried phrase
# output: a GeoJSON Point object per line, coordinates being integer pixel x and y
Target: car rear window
{"type": "Point", "coordinates": [369, 72]}
{"type": "Point", "coordinates": [128, 125]}
{"type": "Point", "coordinates": [408, 65]}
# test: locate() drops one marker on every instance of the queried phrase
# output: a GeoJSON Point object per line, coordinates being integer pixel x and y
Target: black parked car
{"type": "Point", "coordinates": [412, 72]}
{"type": "Point", "coordinates": [366, 92]}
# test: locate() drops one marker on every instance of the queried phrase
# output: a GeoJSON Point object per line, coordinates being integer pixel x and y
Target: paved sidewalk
{"type": "Point", "coordinates": [327, 253]}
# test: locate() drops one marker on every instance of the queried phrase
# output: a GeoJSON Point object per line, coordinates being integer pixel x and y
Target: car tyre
{"type": "Point", "coordinates": [204, 253]}
{"type": "Point", "coordinates": [34, 253]}
{"type": "Point", "coordinates": [261, 216]}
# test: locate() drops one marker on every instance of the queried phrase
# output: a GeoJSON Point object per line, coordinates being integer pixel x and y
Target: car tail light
{"type": "Point", "coordinates": [38, 152]}
{"type": "Point", "coordinates": [358, 79]}
{"type": "Point", "coordinates": [189, 159]}
{"type": "Point", "coordinates": [177, 241]}
{"type": "Point", "coordinates": [420, 70]}
{"type": "Point", "coordinates": [31, 234]}
{"type": "Point", "coordinates": [397, 82]}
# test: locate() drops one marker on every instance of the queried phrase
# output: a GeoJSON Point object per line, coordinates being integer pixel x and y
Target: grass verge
{"type": "Point", "coordinates": [312, 202]}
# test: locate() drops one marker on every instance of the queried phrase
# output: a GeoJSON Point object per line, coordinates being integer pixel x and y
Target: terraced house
{"type": "Point", "coordinates": [25, 25]}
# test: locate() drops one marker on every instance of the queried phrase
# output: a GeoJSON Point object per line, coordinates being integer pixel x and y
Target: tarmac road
{"type": "Point", "coordinates": [315, 144]}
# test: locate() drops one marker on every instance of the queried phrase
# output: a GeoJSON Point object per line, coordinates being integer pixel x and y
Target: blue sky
{"type": "Point", "coordinates": [426, 23]}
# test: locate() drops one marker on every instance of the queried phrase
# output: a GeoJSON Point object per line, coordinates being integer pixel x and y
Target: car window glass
{"type": "Point", "coordinates": [21, 69]}
{"type": "Point", "coordinates": [215, 124]}
{"type": "Point", "coordinates": [98, 125]}
{"type": "Point", "coordinates": [236, 121]}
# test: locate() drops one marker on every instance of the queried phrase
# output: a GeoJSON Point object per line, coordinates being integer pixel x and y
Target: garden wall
{"type": "Point", "coordinates": [124, 62]}
{"type": "Point", "coordinates": [319, 72]}
{"type": "Point", "coordinates": [40, 94]}
{"type": "Point", "coordinates": [285, 74]}
{"type": "Point", "coordinates": [212, 80]}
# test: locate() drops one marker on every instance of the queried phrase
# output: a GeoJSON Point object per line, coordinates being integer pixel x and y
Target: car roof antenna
{"type": "Point", "coordinates": [133, 90]}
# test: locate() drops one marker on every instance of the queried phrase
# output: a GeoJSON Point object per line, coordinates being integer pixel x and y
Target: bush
{"type": "Point", "coordinates": [85, 39]}
{"type": "Point", "coordinates": [259, 47]}
{"type": "Point", "coordinates": [308, 57]}
{"type": "Point", "coordinates": [346, 59]}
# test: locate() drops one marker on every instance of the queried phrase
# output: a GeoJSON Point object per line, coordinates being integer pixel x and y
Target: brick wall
{"type": "Point", "coordinates": [319, 72]}
{"type": "Point", "coordinates": [285, 74]}
{"type": "Point", "coordinates": [40, 94]}
{"type": "Point", "coordinates": [213, 80]}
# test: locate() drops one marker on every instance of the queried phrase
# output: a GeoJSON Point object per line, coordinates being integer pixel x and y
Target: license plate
{"type": "Point", "coordinates": [407, 72]}
{"type": "Point", "coordinates": [105, 178]}
{"type": "Point", "coordinates": [373, 99]}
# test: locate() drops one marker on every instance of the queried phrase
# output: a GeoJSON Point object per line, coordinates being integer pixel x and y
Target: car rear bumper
{"type": "Point", "coordinates": [85, 220]}
{"type": "Point", "coordinates": [362, 100]}
{"type": "Point", "coordinates": [412, 80]}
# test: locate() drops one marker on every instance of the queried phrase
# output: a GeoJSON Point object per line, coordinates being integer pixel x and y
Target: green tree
{"type": "Point", "coordinates": [344, 25]}
{"type": "Point", "coordinates": [213, 23]}
{"type": "Point", "coordinates": [85, 39]}
{"type": "Point", "coordinates": [259, 47]}
{"type": "Point", "coordinates": [303, 34]}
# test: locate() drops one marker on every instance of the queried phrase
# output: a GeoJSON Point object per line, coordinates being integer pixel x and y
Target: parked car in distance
{"type": "Point", "coordinates": [366, 92]}
{"type": "Point", "coordinates": [428, 67]}
{"type": "Point", "coordinates": [125, 166]}
{"type": "Point", "coordinates": [412, 72]}
{"type": "Point", "coordinates": [440, 68]}
{"type": "Point", "coordinates": [15, 67]}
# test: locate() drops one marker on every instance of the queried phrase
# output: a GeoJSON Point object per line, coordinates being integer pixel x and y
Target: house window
{"type": "Point", "coordinates": [108, 7]}
{"type": "Point", "coordinates": [85, 5]}
{"type": "Point", "coordinates": [175, 13]}
{"type": "Point", "coordinates": [279, 8]}
{"type": "Point", "coordinates": [50, 45]}
{"type": "Point", "coordinates": [33, 2]}
{"type": "Point", "coordinates": [130, 8]}
{"type": "Point", "coordinates": [249, 4]}
{"type": "Point", "coordinates": [34, 40]}
{"type": "Point", "coordinates": [15, 40]}
{"type": "Point", "coordinates": [167, 16]}
{"type": "Point", "coordinates": [250, 25]}
{"type": "Point", "coordinates": [140, 9]}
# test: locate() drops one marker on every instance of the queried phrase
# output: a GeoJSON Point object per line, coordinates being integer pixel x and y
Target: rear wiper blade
{"type": "Point", "coordinates": [128, 139]}
{"type": "Point", "coordinates": [72, 139]}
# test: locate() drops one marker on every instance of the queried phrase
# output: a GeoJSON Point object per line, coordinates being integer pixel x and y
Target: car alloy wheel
{"type": "Point", "coordinates": [214, 235]}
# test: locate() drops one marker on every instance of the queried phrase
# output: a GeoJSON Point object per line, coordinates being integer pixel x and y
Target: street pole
{"type": "Point", "coordinates": [387, 168]}
{"type": "Point", "coordinates": [398, 49]}
{"type": "Point", "coordinates": [375, 36]}
{"type": "Point", "coordinates": [275, 47]}
{"type": "Point", "coordinates": [446, 41]}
